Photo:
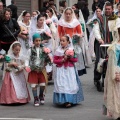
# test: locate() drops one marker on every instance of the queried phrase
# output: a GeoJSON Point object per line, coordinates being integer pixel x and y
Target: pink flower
{"type": "Point", "coordinates": [1, 56]}
{"type": "Point", "coordinates": [46, 50]}
{"type": "Point", "coordinates": [27, 69]}
{"type": "Point", "coordinates": [24, 31]}
{"type": "Point", "coordinates": [48, 21]}
{"type": "Point", "coordinates": [48, 34]}
{"type": "Point", "coordinates": [69, 52]}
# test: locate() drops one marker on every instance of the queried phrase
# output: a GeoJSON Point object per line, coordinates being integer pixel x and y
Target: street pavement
{"type": "Point", "coordinates": [90, 109]}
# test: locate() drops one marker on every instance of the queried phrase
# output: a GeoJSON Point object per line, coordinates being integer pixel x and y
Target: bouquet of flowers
{"type": "Point", "coordinates": [8, 60]}
{"type": "Point", "coordinates": [76, 39]}
{"type": "Point", "coordinates": [46, 56]}
{"type": "Point", "coordinates": [70, 53]}
{"type": "Point", "coordinates": [45, 36]}
{"type": "Point", "coordinates": [24, 31]}
{"type": "Point", "coordinates": [48, 22]}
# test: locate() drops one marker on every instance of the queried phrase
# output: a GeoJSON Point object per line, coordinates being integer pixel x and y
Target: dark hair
{"type": "Point", "coordinates": [15, 45]}
{"type": "Point", "coordinates": [118, 4]}
{"type": "Point", "coordinates": [39, 16]}
{"type": "Point", "coordinates": [63, 3]}
{"type": "Point", "coordinates": [2, 13]}
{"type": "Point", "coordinates": [99, 8]}
{"type": "Point", "coordinates": [119, 31]}
{"type": "Point", "coordinates": [109, 4]}
{"type": "Point", "coordinates": [50, 9]}
{"type": "Point", "coordinates": [45, 3]}
{"type": "Point", "coordinates": [69, 9]}
{"type": "Point", "coordinates": [76, 12]}
{"type": "Point", "coordinates": [67, 38]}
{"type": "Point", "coordinates": [45, 15]}
{"type": "Point", "coordinates": [25, 12]}
{"type": "Point", "coordinates": [76, 6]}
{"type": "Point", "coordinates": [13, 1]}
{"type": "Point", "coordinates": [81, 4]}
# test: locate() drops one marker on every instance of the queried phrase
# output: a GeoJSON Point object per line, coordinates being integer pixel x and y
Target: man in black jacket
{"type": "Point", "coordinates": [13, 8]}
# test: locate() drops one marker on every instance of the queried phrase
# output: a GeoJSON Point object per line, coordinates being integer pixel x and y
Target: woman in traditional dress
{"type": "Point", "coordinates": [112, 80]}
{"type": "Point", "coordinates": [84, 39]}
{"type": "Point", "coordinates": [52, 15]}
{"type": "Point", "coordinates": [24, 23]}
{"type": "Point", "coordinates": [14, 87]}
{"type": "Point", "coordinates": [67, 86]}
{"type": "Point", "coordinates": [68, 24]}
{"type": "Point", "coordinates": [90, 24]}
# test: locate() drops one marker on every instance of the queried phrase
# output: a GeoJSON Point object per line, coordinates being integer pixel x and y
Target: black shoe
{"type": "Point", "coordinates": [95, 82]}
{"type": "Point", "coordinates": [99, 86]}
{"type": "Point", "coordinates": [118, 119]}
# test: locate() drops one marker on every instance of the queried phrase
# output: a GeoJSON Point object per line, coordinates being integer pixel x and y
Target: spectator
{"type": "Point", "coordinates": [118, 12]}
{"type": "Point", "coordinates": [51, 2]}
{"type": "Point", "coordinates": [63, 5]}
{"type": "Point", "coordinates": [75, 7]}
{"type": "Point", "coordinates": [84, 8]}
{"type": "Point", "coordinates": [45, 7]}
{"type": "Point", "coordinates": [104, 35]}
{"type": "Point", "coordinates": [9, 29]}
{"type": "Point", "coordinates": [95, 5]}
{"type": "Point", "coordinates": [1, 6]}
{"type": "Point", "coordinates": [13, 8]}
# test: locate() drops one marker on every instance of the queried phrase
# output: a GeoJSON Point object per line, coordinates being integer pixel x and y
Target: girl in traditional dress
{"type": "Point", "coordinates": [68, 24]}
{"type": "Point", "coordinates": [112, 80]}
{"type": "Point", "coordinates": [14, 87]}
{"type": "Point", "coordinates": [52, 15]}
{"type": "Point", "coordinates": [24, 23]}
{"type": "Point", "coordinates": [67, 86]}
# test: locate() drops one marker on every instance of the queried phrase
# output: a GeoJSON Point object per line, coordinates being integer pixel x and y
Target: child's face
{"type": "Point", "coordinates": [37, 42]}
{"type": "Point", "coordinates": [16, 50]}
{"type": "Point", "coordinates": [64, 42]}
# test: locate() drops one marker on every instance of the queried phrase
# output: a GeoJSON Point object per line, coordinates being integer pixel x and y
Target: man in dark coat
{"type": "Point", "coordinates": [13, 8]}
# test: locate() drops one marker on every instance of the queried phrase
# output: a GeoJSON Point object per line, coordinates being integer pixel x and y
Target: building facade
{"type": "Point", "coordinates": [31, 5]}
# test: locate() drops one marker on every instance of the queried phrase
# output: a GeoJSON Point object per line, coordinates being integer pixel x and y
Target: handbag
{"type": "Point", "coordinates": [100, 65]}
{"type": "Point", "coordinates": [101, 61]}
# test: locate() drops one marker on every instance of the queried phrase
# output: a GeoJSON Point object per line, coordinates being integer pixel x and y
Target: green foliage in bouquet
{"type": "Point", "coordinates": [46, 58]}
{"type": "Point", "coordinates": [76, 39]}
{"type": "Point", "coordinates": [83, 27]}
{"type": "Point", "coordinates": [7, 59]}
{"type": "Point", "coordinates": [44, 36]}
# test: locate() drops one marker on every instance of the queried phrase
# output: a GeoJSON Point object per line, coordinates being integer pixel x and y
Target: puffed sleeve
{"type": "Point", "coordinates": [96, 31]}
{"type": "Point", "coordinates": [79, 29]}
{"type": "Point", "coordinates": [28, 58]}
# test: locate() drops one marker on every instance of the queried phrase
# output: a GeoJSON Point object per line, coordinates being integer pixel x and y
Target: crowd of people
{"type": "Point", "coordinates": [50, 45]}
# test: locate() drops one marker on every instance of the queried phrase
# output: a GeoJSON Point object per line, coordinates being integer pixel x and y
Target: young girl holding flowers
{"type": "Point", "coordinates": [14, 88]}
{"type": "Point", "coordinates": [38, 58]}
{"type": "Point", "coordinates": [67, 86]}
